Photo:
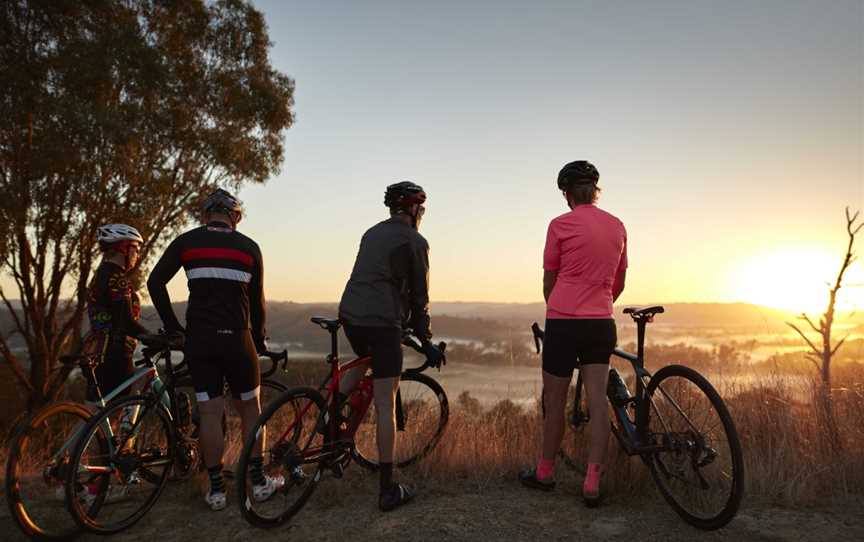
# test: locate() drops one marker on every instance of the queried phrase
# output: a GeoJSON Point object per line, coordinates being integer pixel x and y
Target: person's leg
{"type": "Point", "coordinates": [209, 381]}
{"type": "Point", "coordinates": [386, 350]}
{"type": "Point", "coordinates": [559, 358]}
{"type": "Point", "coordinates": [385, 435]}
{"type": "Point", "coordinates": [244, 380]}
{"type": "Point", "coordinates": [594, 378]}
{"type": "Point", "coordinates": [599, 339]}
{"type": "Point", "coordinates": [554, 402]}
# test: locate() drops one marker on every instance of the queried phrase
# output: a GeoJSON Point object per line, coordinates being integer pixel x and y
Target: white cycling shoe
{"type": "Point", "coordinates": [265, 491]}
{"type": "Point", "coordinates": [216, 501]}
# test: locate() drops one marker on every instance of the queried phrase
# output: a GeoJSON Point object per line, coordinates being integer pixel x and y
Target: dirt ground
{"type": "Point", "coordinates": [472, 510]}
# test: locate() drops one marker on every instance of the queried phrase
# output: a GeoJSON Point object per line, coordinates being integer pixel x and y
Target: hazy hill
{"type": "Point", "coordinates": [288, 322]}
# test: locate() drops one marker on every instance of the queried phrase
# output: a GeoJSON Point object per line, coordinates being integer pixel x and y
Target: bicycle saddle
{"type": "Point", "coordinates": [639, 312]}
{"type": "Point", "coordinates": [330, 324]}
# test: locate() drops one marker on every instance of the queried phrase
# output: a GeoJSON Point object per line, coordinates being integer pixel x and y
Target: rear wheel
{"type": "Point", "coordinates": [36, 470]}
{"type": "Point", "coordinates": [292, 428]}
{"type": "Point", "coordinates": [422, 412]}
{"type": "Point", "coordinates": [127, 479]}
{"type": "Point", "coordinates": [700, 472]}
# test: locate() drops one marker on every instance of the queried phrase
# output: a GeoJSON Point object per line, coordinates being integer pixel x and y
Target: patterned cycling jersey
{"type": "Point", "coordinates": [113, 308]}
{"type": "Point", "coordinates": [225, 272]}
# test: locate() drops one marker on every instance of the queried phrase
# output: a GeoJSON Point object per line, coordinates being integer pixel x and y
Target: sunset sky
{"type": "Point", "coordinates": [728, 136]}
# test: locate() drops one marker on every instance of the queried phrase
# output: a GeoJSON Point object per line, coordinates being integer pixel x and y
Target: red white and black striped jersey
{"type": "Point", "coordinates": [225, 276]}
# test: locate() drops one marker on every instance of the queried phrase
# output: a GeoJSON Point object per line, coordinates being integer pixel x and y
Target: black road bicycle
{"type": "Point", "coordinates": [679, 426]}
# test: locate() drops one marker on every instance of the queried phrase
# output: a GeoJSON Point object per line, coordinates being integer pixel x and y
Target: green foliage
{"type": "Point", "coordinates": [128, 112]}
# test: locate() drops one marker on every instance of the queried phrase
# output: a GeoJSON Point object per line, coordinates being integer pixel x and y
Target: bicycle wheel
{"type": "Point", "coordinates": [128, 478]}
{"type": "Point", "coordinates": [294, 424]}
{"type": "Point", "coordinates": [700, 472]}
{"type": "Point", "coordinates": [36, 470]}
{"type": "Point", "coordinates": [422, 412]}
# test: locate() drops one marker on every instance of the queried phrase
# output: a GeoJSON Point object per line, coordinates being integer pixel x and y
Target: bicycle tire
{"type": "Point", "coordinates": [693, 443]}
{"type": "Point", "coordinates": [424, 444]}
{"type": "Point", "coordinates": [306, 408]}
{"type": "Point", "coordinates": [25, 516]}
{"type": "Point", "coordinates": [164, 456]}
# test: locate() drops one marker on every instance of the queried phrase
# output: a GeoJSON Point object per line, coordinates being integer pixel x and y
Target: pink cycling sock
{"type": "Point", "coordinates": [592, 479]}
{"type": "Point", "coordinates": [545, 469]}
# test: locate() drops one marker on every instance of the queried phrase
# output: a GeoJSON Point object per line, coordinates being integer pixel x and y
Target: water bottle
{"type": "Point", "coordinates": [617, 390]}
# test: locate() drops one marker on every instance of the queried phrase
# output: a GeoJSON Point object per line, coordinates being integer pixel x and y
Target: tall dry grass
{"type": "Point", "coordinates": [788, 455]}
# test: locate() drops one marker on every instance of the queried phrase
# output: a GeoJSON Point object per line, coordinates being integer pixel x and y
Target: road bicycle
{"type": "Point", "coordinates": [118, 462]}
{"type": "Point", "coordinates": [311, 431]}
{"type": "Point", "coordinates": [679, 426]}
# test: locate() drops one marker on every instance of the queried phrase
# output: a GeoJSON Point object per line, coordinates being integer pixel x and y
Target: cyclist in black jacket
{"type": "Point", "coordinates": [225, 321]}
{"type": "Point", "coordinates": [389, 290]}
{"type": "Point", "coordinates": [113, 308]}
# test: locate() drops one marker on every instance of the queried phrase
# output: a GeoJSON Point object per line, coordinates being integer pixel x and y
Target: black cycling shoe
{"type": "Point", "coordinates": [528, 477]}
{"type": "Point", "coordinates": [398, 495]}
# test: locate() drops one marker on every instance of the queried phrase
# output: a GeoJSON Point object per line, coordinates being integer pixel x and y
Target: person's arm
{"type": "Point", "coordinates": [162, 273]}
{"type": "Point", "coordinates": [419, 291]}
{"type": "Point", "coordinates": [549, 278]}
{"type": "Point", "coordinates": [620, 274]}
{"type": "Point", "coordinates": [122, 318]}
{"type": "Point", "coordinates": [551, 262]}
{"type": "Point", "coordinates": [257, 305]}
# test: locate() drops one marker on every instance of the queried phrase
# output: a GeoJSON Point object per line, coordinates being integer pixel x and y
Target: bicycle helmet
{"type": "Point", "coordinates": [110, 234]}
{"type": "Point", "coordinates": [222, 200]}
{"type": "Point", "coordinates": [401, 196]}
{"type": "Point", "coordinates": [578, 172]}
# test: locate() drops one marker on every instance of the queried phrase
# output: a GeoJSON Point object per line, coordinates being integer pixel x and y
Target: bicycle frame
{"type": "Point", "coordinates": [153, 382]}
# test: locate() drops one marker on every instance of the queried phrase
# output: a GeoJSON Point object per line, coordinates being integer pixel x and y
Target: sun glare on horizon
{"type": "Point", "coordinates": [797, 279]}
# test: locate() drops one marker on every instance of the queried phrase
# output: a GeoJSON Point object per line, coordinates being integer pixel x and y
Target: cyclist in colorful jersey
{"type": "Point", "coordinates": [225, 329]}
{"type": "Point", "coordinates": [585, 263]}
{"type": "Point", "coordinates": [113, 308]}
{"type": "Point", "coordinates": [389, 290]}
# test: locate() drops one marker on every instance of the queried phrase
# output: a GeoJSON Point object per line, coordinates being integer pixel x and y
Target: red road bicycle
{"type": "Point", "coordinates": [309, 433]}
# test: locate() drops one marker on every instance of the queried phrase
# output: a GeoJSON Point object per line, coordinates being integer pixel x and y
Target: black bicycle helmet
{"type": "Point", "coordinates": [403, 195]}
{"type": "Point", "coordinates": [222, 200]}
{"type": "Point", "coordinates": [578, 172]}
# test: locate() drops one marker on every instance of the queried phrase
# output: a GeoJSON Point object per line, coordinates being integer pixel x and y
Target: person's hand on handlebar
{"type": "Point", "coordinates": [434, 355]}
{"type": "Point", "coordinates": [261, 346]}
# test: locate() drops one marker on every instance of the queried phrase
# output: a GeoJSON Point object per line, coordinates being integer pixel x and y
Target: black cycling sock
{"type": "Point", "coordinates": [217, 482]}
{"type": "Point", "coordinates": [256, 471]}
{"type": "Point", "coordinates": [386, 477]}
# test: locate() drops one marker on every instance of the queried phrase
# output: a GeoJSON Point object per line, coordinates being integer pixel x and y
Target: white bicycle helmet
{"type": "Point", "coordinates": [114, 233]}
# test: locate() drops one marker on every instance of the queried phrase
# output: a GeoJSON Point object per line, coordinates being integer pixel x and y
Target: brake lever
{"type": "Point", "coordinates": [539, 335]}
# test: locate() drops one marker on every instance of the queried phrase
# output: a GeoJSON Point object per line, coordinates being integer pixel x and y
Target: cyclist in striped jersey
{"type": "Point", "coordinates": [225, 329]}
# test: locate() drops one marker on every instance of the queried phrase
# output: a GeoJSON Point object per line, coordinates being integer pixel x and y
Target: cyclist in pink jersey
{"type": "Point", "coordinates": [584, 263]}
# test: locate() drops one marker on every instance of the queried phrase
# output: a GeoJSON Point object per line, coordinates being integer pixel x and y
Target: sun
{"type": "Point", "coordinates": [797, 279]}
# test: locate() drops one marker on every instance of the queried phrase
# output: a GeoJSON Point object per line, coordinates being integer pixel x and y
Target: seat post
{"type": "Point", "coordinates": [640, 339]}
{"type": "Point", "coordinates": [334, 345]}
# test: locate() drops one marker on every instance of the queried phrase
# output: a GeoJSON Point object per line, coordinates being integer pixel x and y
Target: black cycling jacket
{"type": "Point", "coordinates": [225, 274]}
{"type": "Point", "coordinates": [389, 285]}
{"type": "Point", "coordinates": [113, 309]}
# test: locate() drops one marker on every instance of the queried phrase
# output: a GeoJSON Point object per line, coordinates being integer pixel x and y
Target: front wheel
{"type": "Point", "coordinates": [700, 471]}
{"type": "Point", "coordinates": [289, 439]}
{"type": "Point", "coordinates": [36, 470]}
{"type": "Point", "coordinates": [422, 412]}
{"type": "Point", "coordinates": [124, 481]}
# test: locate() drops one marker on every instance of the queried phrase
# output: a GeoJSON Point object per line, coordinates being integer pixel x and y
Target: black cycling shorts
{"type": "Point", "coordinates": [384, 344]}
{"type": "Point", "coordinates": [571, 343]}
{"type": "Point", "coordinates": [219, 356]}
{"type": "Point", "coordinates": [115, 366]}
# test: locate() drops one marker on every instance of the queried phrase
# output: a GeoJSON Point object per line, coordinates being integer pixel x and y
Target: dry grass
{"type": "Point", "coordinates": [786, 442]}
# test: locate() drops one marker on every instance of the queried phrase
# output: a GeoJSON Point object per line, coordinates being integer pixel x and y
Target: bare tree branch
{"type": "Point", "coordinates": [809, 342]}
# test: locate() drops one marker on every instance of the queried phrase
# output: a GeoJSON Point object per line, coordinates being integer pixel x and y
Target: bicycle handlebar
{"type": "Point", "coordinates": [411, 342]}
{"type": "Point", "coordinates": [275, 358]}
